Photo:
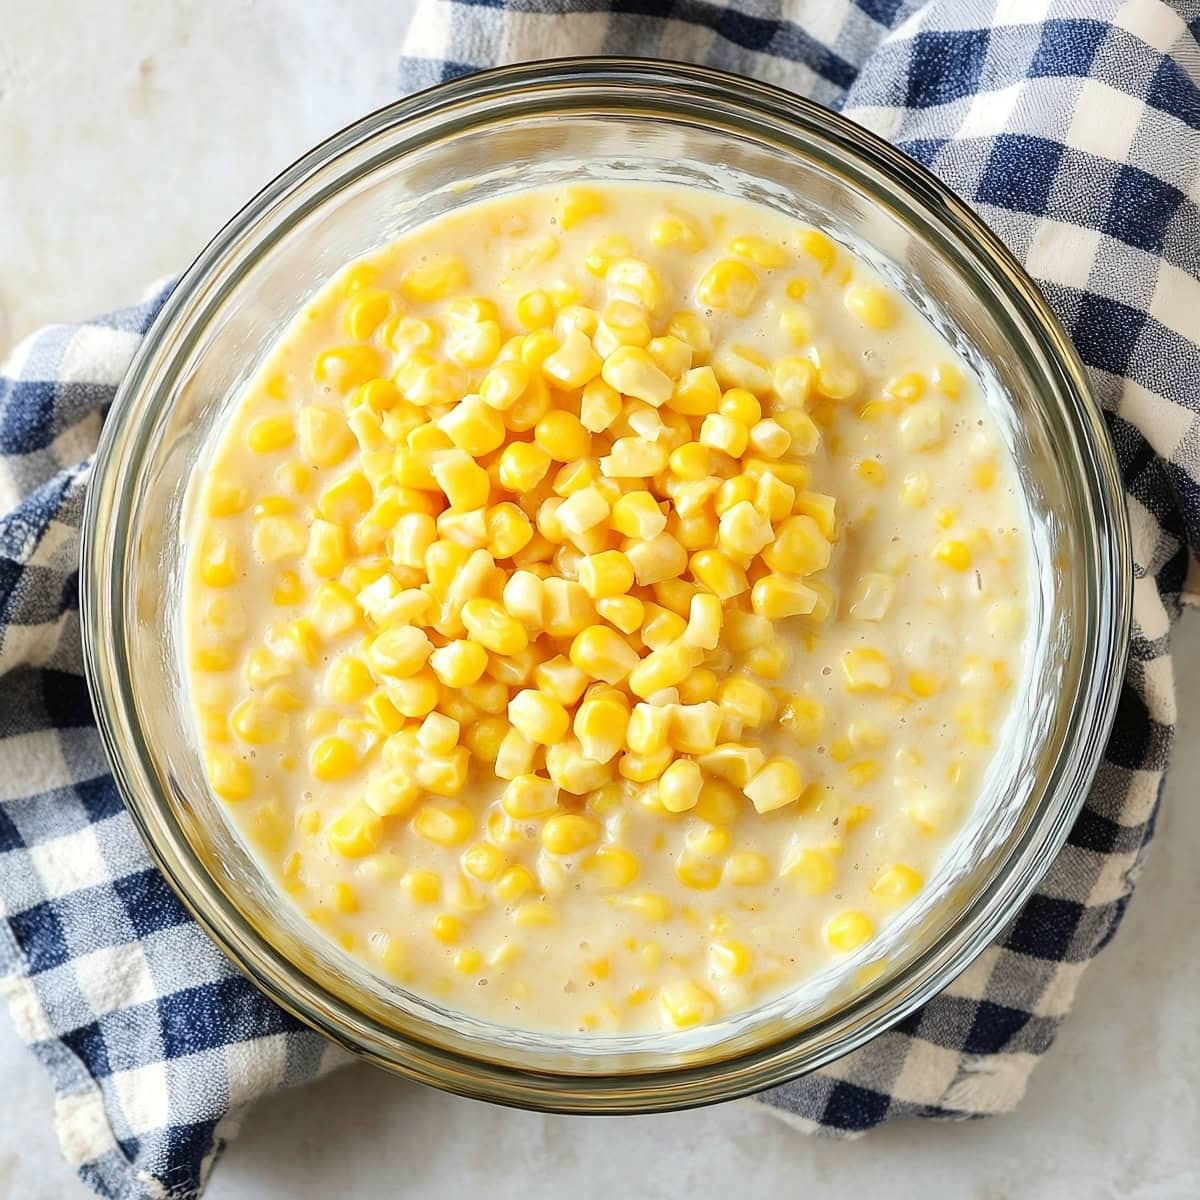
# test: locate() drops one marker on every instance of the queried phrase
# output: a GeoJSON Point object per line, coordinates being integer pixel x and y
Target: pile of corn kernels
{"type": "Point", "coordinates": [573, 547]}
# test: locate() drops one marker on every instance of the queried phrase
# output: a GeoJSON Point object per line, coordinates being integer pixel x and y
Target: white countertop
{"type": "Point", "coordinates": [125, 140]}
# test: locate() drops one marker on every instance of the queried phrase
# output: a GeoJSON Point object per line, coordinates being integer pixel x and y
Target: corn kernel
{"type": "Point", "coordinates": [953, 553]}
{"type": "Point", "coordinates": [600, 724]}
{"type": "Point", "coordinates": [812, 869]}
{"type": "Point", "coordinates": [435, 280]}
{"type": "Point", "coordinates": [569, 833]}
{"type": "Point", "coordinates": [776, 784]}
{"type": "Point", "coordinates": [721, 575]}
{"type": "Point", "coordinates": [540, 719]}
{"type": "Point", "coordinates": [612, 868]}
{"type": "Point", "coordinates": [637, 515]}
{"type": "Point", "coordinates": [679, 788]}
{"type": "Point", "coordinates": [728, 284]}
{"type": "Point", "coordinates": [657, 558]}
{"type": "Point", "coordinates": [728, 959]}
{"type": "Point", "coordinates": [631, 371]}
{"type": "Point", "coordinates": [333, 758]}
{"type": "Point", "coordinates": [697, 873]}
{"type": "Point", "coordinates": [514, 883]}
{"type": "Point", "coordinates": [270, 434]}
{"type": "Point", "coordinates": [747, 868]}
{"type": "Point", "coordinates": [573, 771]}
{"type": "Point", "coordinates": [226, 498]}
{"type": "Point", "coordinates": [448, 929]}
{"type": "Point", "coordinates": [357, 832]}
{"type": "Point", "coordinates": [664, 668]}
{"type": "Point", "coordinates": [872, 305]}
{"type": "Point", "coordinates": [820, 248]}
{"type": "Point", "coordinates": [325, 439]}
{"type": "Point", "coordinates": [230, 777]}
{"type": "Point", "coordinates": [848, 930]}
{"type": "Point", "coordinates": [674, 229]}
{"type": "Point", "coordinates": [896, 884]}
{"type": "Point", "coordinates": [488, 624]}
{"type": "Point", "coordinates": [444, 824]}
{"type": "Point", "coordinates": [400, 651]}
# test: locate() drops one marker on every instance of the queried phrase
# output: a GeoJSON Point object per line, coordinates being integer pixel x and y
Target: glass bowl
{"type": "Point", "coordinates": [546, 123]}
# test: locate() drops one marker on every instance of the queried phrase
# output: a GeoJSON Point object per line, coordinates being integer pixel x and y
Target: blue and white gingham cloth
{"type": "Point", "coordinates": [1074, 129]}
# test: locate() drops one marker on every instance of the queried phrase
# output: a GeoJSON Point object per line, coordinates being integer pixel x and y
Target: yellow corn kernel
{"type": "Point", "coordinates": [725, 433]}
{"type": "Point", "coordinates": [523, 465]}
{"type": "Point", "coordinates": [258, 724]}
{"type": "Point", "coordinates": [819, 247]}
{"type": "Point", "coordinates": [327, 548]}
{"type": "Point", "coordinates": [746, 700]}
{"type": "Point", "coordinates": [435, 280]}
{"type": "Point", "coordinates": [848, 930]}
{"type": "Point", "coordinates": [634, 280]}
{"type": "Point", "coordinates": [529, 796]}
{"type": "Point", "coordinates": [609, 573]}
{"type": "Point", "coordinates": [776, 784]}
{"type": "Point", "coordinates": [728, 959]}
{"type": "Point", "coordinates": [325, 439]}
{"type": "Point", "coordinates": [484, 861]}
{"type": "Point", "coordinates": [508, 530]}
{"type": "Point", "coordinates": [277, 538]}
{"type": "Point", "coordinates": [468, 961]}
{"type": "Point", "coordinates": [914, 490]}
{"type": "Point", "coordinates": [866, 670]}
{"type": "Point", "coordinates": [812, 869]}
{"type": "Point", "coordinates": [448, 928]}
{"type": "Point", "coordinates": [444, 824]}
{"type": "Point", "coordinates": [924, 683]}
{"type": "Point", "coordinates": [674, 229]}
{"type": "Point", "coordinates": [896, 884]}
{"type": "Point", "coordinates": [626, 613]}
{"type": "Point", "coordinates": [953, 553]}
{"type": "Point", "coordinates": [347, 367]}
{"type": "Point", "coordinates": [459, 664]}
{"type": "Point", "coordinates": [270, 434]}
{"type": "Point", "coordinates": [612, 868]}
{"type": "Point", "coordinates": [462, 480]}
{"type": "Point", "coordinates": [603, 654]}
{"type": "Point", "coordinates": [577, 204]}
{"type": "Point", "coordinates": [648, 729]}
{"type": "Point", "coordinates": [357, 832]}
{"type": "Point", "coordinates": [871, 304]}
{"type": "Point", "coordinates": [600, 724]}
{"type": "Point", "coordinates": [637, 515]}
{"type": "Point", "coordinates": [579, 512]}
{"type": "Point", "coordinates": [534, 913]}
{"type": "Point", "coordinates": [650, 905]}
{"type": "Point", "coordinates": [696, 873]}
{"type": "Point", "coordinates": [540, 719]}
{"type": "Point", "coordinates": [573, 364]}
{"type": "Point", "coordinates": [226, 498]}
{"type": "Point", "coordinates": [535, 310]}
{"type": "Point", "coordinates": [948, 380]}
{"type": "Point", "coordinates": [333, 758]}
{"type": "Point", "coordinates": [728, 284]}
{"type": "Point", "coordinates": [664, 668]}
{"type": "Point", "coordinates": [720, 574]}
{"type": "Point", "coordinates": [631, 371]}
{"type": "Point", "coordinates": [474, 427]}
{"type": "Point", "coordinates": [219, 566]}
{"type": "Point", "coordinates": [488, 624]}
{"type": "Point", "coordinates": [645, 768]}
{"type": "Point", "coordinates": [803, 718]}
{"type": "Point", "coordinates": [514, 883]}
{"type": "Point", "coordinates": [504, 385]}
{"type": "Point", "coordinates": [744, 531]}
{"type": "Point", "coordinates": [672, 355]}
{"type": "Point", "coordinates": [573, 771]}
{"type": "Point", "coordinates": [622, 324]}
{"type": "Point", "coordinates": [747, 868]}
{"type": "Point", "coordinates": [483, 737]}
{"type": "Point", "coordinates": [569, 833]}
{"type": "Point", "coordinates": [562, 436]}
{"type": "Point", "coordinates": [414, 695]}
{"type": "Point", "coordinates": [679, 787]}
{"type": "Point", "coordinates": [777, 596]}
{"type": "Point", "coordinates": [799, 547]}
{"type": "Point", "coordinates": [695, 728]}
{"type": "Point", "coordinates": [230, 777]}
{"type": "Point", "coordinates": [344, 898]}
{"type": "Point", "coordinates": [403, 650]}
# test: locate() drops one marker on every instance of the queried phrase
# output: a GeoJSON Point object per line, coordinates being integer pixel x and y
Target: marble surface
{"type": "Point", "coordinates": [128, 132]}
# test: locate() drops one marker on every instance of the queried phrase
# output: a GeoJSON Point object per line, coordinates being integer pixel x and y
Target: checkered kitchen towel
{"type": "Point", "coordinates": [1074, 128]}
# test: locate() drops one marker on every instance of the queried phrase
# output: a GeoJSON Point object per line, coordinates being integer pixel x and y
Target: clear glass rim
{"type": "Point", "coordinates": [594, 85]}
